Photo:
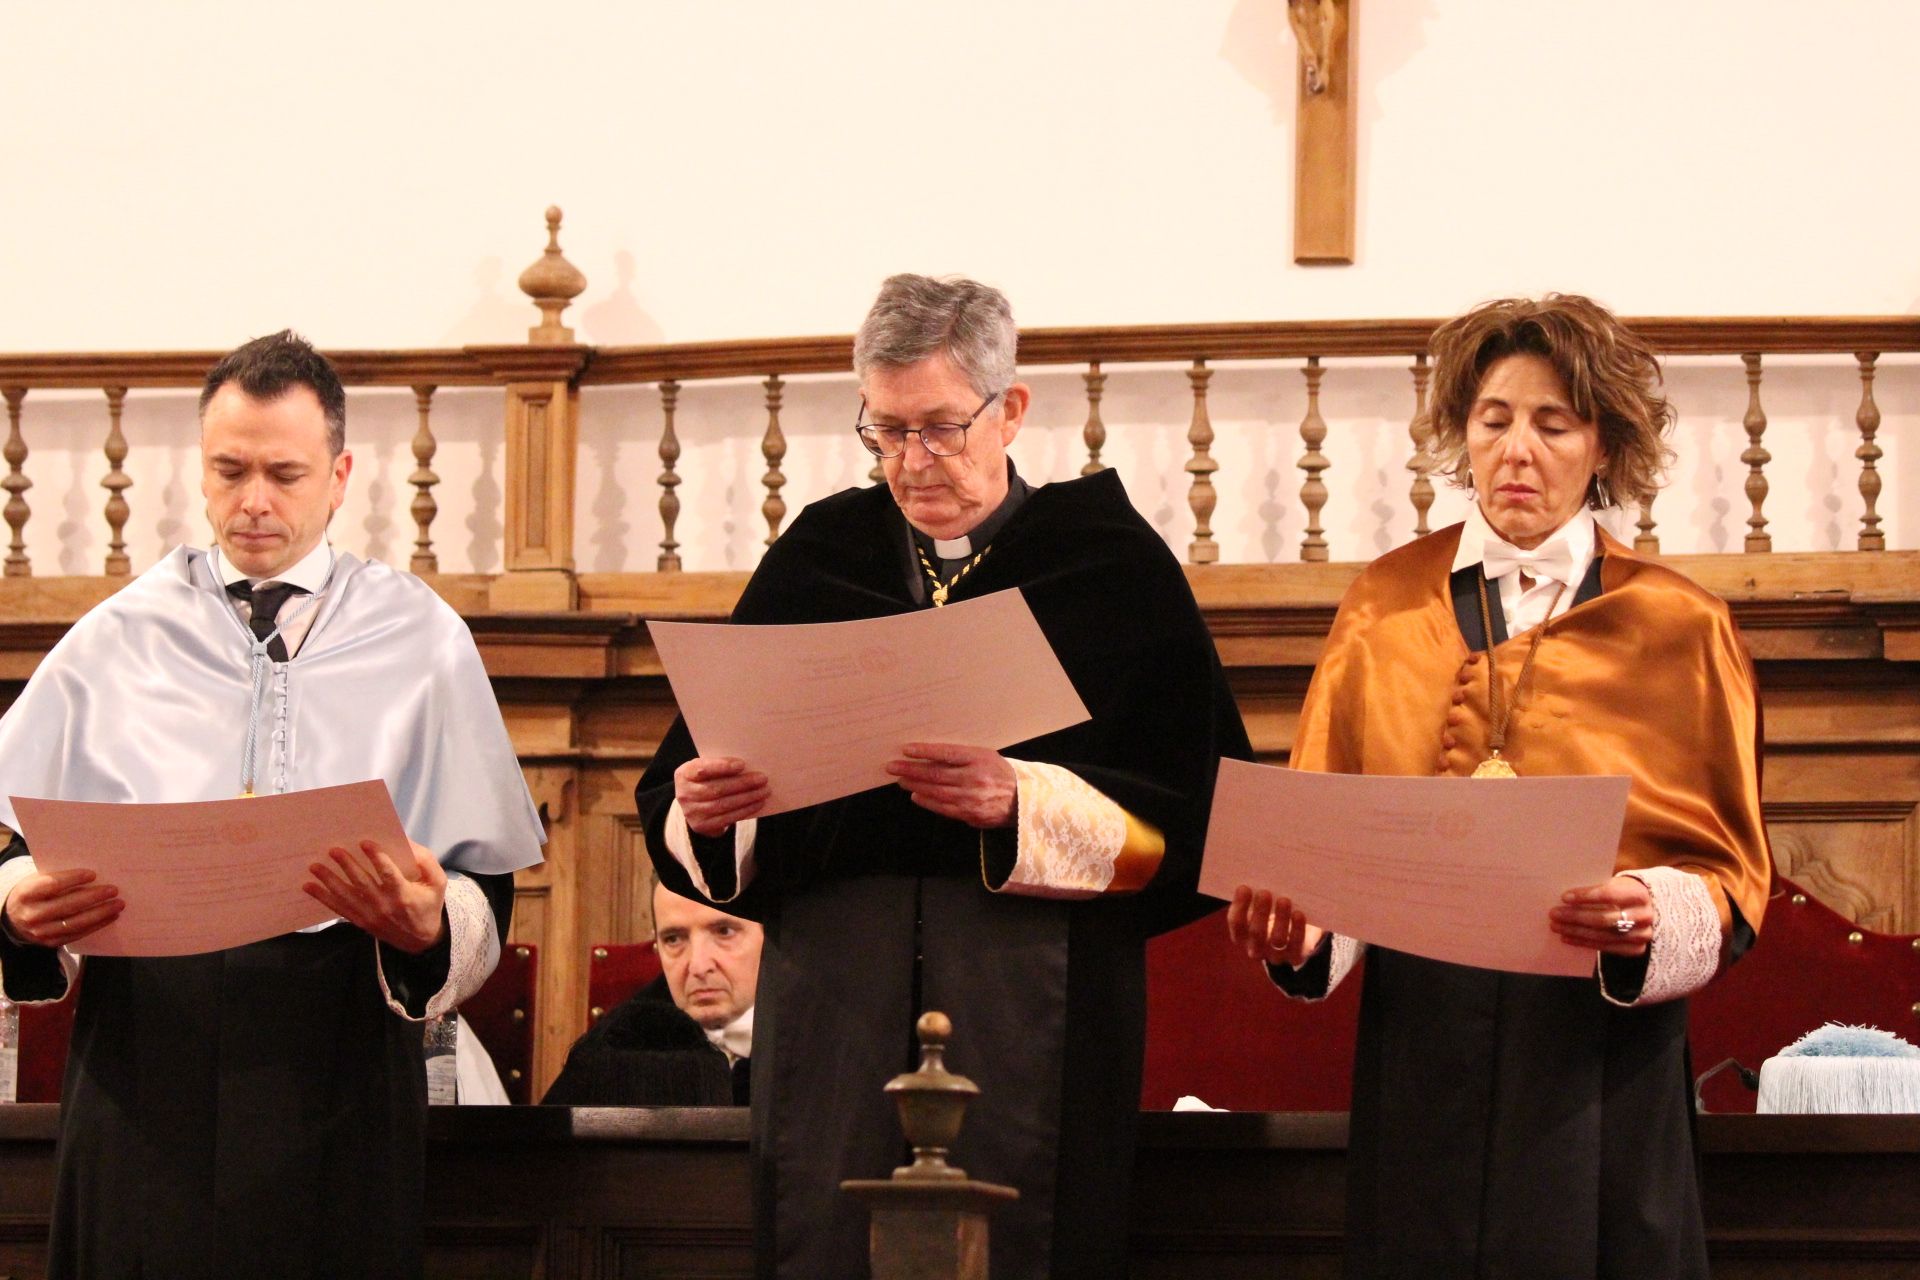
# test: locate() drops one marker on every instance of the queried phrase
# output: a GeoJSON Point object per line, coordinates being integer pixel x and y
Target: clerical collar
{"type": "Point", "coordinates": [948, 550]}
{"type": "Point", "coordinates": [309, 574]}
{"type": "Point", "coordinates": [736, 1038]}
{"type": "Point", "coordinates": [1577, 536]}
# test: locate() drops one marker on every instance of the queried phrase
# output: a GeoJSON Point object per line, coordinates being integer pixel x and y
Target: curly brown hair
{"type": "Point", "coordinates": [1612, 378]}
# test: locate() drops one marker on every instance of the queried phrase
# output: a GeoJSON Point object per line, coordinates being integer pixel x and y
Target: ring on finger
{"type": "Point", "coordinates": [1624, 925]}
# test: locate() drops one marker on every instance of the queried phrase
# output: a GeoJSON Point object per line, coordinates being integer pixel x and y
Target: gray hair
{"type": "Point", "coordinates": [918, 316]}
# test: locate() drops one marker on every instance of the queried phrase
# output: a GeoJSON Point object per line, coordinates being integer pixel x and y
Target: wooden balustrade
{"type": "Point", "coordinates": [16, 484]}
{"type": "Point", "coordinates": [116, 484]}
{"type": "Point", "coordinates": [1756, 457]}
{"type": "Point", "coordinates": [541, 380]}
{"type": "Point", "coordinates": [1869, 454]}
{"type": "Point", "coordinates": [1201, 496]}
{"type": "Point", "coordinates": [423, 479]}
{"type": "Point", "coordinates": [1095, 432]}
{"type": "Point", "coordinates": [669, 478]}
{"type": "Point", "coordinates": [1420, 493]}
{"type": "Point", "coordinates": [1313, 493]}
{"type": "Point", "coordinates": [773, 447]}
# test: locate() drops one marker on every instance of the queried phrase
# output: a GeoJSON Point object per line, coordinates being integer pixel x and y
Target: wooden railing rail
{"type": "Point", "coordinates": [1202, 347]}
{"type": "Point", "coordinates": [541, 379]}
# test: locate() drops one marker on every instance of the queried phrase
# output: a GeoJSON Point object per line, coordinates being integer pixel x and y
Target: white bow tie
{"type": "Point", "coordinates": [1551, 559]}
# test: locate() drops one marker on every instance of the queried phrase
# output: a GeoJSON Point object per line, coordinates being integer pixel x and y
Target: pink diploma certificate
{"type": "Point", "coordinates": [214, 874]}
{"type": "Point", "coordinates": [1456, 869]}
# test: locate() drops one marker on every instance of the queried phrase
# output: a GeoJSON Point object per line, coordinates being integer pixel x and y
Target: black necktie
{"type": "Point", "coordinates": [265, 605]}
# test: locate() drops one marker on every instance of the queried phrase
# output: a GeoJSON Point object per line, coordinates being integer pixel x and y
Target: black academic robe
{"type": "Point", "coordinates": [258, 1111]}
{"type": "Point", "coordinates": [1509, 1126]}
{"type": "Point", "coordinates": [646, 1052]}
{"type": "Point", "coordinates": [876, 910]}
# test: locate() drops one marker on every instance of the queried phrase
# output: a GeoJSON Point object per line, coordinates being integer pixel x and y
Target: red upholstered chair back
{"type": "Point", "coordinates": [45, 1030]}
{"type": "Point", "coordinates": [616, 970]}
{"type": "Point", "coordinates": [1219, 1030]}
{"type": "Point", "coordinates": [501, 1014]}
{"type": "Point", "coordinates": [1807, 969]}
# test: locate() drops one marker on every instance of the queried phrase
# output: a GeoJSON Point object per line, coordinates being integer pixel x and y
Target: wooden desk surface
{"type": "Point", "coordinates": [612, 1192]}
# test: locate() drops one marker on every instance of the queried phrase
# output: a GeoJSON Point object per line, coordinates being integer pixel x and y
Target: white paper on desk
{"type": "Point", "coordinates": [1456, 869]}
{"type": "Point", "coordinates": [821, 707]}
{"type": "Point", "coordinates": [213, 874]}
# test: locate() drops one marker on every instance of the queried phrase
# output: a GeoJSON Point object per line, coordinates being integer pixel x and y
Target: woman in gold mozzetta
{"type": "Point", "coordinates": [1511, 1124]}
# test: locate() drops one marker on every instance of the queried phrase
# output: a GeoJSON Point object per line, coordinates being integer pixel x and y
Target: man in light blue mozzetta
{"type": "Point", "coordinates": [261, 1110]}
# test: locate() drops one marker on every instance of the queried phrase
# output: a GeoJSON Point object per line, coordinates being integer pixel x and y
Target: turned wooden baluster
{"type": "Point", "coordinates": [1756, 457]}
{"type": "Point", "coordinates": [116, 484]}
{"type": "Point", "coordinates": [1200, 495]}
{"type": "Point", "coordinates": [1646, 540]}
{"type": "Point", "coordinates": [773, 447]}
{"type": "Point", "coordinates": [1095, 432]}
{"type": "Point", "coordinates": [1422, 431]}
{"type": "Point", "coordinates": [16, 484]}
{"type": "Point", "coordinates": [424, 507]}
{"type": "Point", "coordinates": [1313, 494]}
{"type": "Point", "coordinates": [669, 558]}
{"type": "Point", "coordinates": [1868, 420]}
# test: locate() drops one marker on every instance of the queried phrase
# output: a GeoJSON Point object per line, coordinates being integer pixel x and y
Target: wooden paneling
{"type": "Point", "coordinates": [586, 703]}
{"type": "Point", "coordinates": [580, 1195]}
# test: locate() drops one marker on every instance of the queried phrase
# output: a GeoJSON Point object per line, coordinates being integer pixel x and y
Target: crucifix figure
{"type": "Point", "coordinates": [1323, 140]}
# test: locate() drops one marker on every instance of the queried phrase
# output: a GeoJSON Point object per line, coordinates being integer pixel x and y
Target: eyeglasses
{"type": "Point", "coordinates": [941, 439]}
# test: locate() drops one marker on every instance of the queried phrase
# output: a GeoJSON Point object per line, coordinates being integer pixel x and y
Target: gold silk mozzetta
{"type": "Point", "coordinates": [1648, 680]}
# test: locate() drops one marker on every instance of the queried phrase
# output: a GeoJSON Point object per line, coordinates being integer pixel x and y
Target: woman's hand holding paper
{"type": "Point", "coordinates": [1270, 929]}
{"type": "Point", "coordinates": [1593, 916]}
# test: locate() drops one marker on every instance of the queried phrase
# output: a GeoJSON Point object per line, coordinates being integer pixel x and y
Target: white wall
{"type": "Point", "coordinates": [184, 176]}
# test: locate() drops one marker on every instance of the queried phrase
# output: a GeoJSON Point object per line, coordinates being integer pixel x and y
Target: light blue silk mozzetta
{"type": "Point", "coordinates": [151, 697]}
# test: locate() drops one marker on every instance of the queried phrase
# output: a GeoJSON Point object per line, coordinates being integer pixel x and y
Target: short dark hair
{"type": "Point", "coordinates": [267, 368]}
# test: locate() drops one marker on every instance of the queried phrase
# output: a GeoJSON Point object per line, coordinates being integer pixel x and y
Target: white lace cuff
{"type": "Point", "coordinates": [12, 872]}
{"type": "Point", "coordinates": [1346, 952]}
{"type": "Point", "coordinates": [1685, 952]}
{"type": "Point", "coordinates": [1071, 837]}
{"type": "Point", "coordinates": [475, 945]}
{"type": "Point", "coordinates": [679, 840]}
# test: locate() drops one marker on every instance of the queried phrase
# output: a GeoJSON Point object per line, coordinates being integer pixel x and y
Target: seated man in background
{"type": "Point", "coordinates": [684, 1039]}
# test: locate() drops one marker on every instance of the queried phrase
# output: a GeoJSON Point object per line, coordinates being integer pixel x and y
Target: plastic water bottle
{"type": "Point", "coordinates": [443, 1076]}
{"type": "Point", "coordinates": [9, 1050]}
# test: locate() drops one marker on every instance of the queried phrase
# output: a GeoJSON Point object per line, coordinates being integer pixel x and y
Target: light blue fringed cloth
{"type": "Point", "coordinates": [1841, 1069]}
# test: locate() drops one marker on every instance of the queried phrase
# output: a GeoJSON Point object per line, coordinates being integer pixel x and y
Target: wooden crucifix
{"type": "Point", "coordinates": [1323, 132]}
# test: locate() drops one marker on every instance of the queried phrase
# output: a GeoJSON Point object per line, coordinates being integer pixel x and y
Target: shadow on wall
{"type": "Point", "coordinates": [617, 319]}
{"type": "Point", "coordinates": [501, 313]}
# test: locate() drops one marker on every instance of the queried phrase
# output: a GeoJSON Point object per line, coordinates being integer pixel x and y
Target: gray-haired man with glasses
{"type": "Point", "coordinates": [1013, 891]}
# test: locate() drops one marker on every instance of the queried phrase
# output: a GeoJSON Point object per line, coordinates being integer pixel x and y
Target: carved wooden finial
{"type": "Point", "coordinates": [932, 1102]}
{"type": "Point", "coordinates": [552, 282]}
{"type": "Point", "coordinates": [929, 1218]}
